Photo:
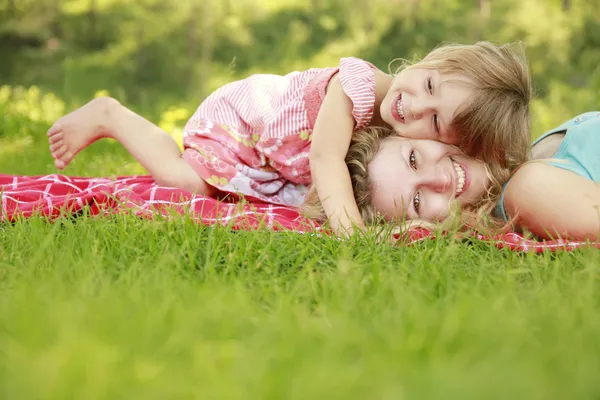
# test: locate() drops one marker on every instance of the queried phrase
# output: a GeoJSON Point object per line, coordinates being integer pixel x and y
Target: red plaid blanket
{"type": "Point", "coordinates": [56, 195]}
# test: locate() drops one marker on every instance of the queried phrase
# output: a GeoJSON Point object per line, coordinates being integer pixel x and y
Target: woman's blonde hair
{"type": "Point", "coordinates": [495, 124]}
{"type": "Point", "coordinates": [363, 148]}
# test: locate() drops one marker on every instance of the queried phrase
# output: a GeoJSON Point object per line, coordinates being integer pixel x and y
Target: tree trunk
{"type": "Point", "coordinates": [566, 5]}
{"type": "Point", "coordinates": [12, 8]}
{"type": "Point", "coordinates": [92, 18]}
{"type": "Point", "coordinates": [226, 7]}
{"type": "Point", "coordinates": [55, 26]}
{"type": "Point", "coordinates": [193, 43]}
{"type": "Point", "coordinates": [140, 76]}
{"type": "Point", "coordinates": [369, 18]}
{"type": "Point", "coordinates": [484, 8]}
{"type": "Point", "coordinates": [207, 46]}
{"type": "Point", "coordinates": [314, 8]}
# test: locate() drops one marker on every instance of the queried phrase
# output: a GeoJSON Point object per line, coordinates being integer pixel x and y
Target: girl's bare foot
{"type": "Point", "coordinates": [80, 128]}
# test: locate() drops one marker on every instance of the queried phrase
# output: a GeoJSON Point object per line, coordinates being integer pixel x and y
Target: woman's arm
{"type": "Point", "coordinates": [552, 202]}
{"type": "Point", "coordinates": [330, 142]}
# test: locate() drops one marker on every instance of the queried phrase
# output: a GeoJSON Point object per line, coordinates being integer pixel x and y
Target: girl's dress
{"type": "Point", "coordinates": [252, 137]}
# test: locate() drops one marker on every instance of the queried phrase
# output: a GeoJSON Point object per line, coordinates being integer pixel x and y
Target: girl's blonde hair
{"type": "Point", "coordinates": [495, 124]}
{"type": "Point", "coordinates": [363, 148]}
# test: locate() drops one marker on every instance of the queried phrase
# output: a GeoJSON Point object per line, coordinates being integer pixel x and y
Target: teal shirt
{"type": "Point", "coordinates": [579, 151]}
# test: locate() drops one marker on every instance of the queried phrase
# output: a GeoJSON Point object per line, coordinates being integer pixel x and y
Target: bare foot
{"type": "Point", "coordinates": [80, 128]}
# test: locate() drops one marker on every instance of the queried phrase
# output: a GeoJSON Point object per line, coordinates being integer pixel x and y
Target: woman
{"type": "Point", "coordinates": [399, 180]}
{"type": "Point", "coordinates": [557, 193]}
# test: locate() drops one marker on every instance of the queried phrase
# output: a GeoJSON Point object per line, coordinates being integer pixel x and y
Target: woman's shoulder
{"type": "Point", "coordinates": [535, 186]}
{"type": "Point", "coordinates": [526, 183]}
{"type": "Point", "coordinates": [529, 176]}
{"type": "Point", "coordinates": [548, 200]}
{"type": "Point", "coordinates": [535, 176]}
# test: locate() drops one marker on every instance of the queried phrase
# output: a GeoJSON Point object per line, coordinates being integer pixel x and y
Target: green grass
{"type": "Point", "coordinates": [128, 308]}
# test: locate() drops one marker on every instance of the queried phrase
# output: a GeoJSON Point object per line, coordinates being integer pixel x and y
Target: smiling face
{"type": "Point", "coordinates": [421, 104]}
{"type": "Point", "coordinates": [418, 179]}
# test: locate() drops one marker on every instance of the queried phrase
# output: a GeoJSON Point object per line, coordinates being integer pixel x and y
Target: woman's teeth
{"type": "Point", "coordinates": [460, 172]}
{"type": "Point", "coordinates": [400, 108]}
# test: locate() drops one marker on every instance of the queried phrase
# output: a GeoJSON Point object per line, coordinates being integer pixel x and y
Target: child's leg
{"type": "Point", "coordinates": [154, 148]}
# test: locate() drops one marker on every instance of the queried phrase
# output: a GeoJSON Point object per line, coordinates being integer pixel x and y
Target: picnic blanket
{"type": "Point", "coordinates": [53, 196]}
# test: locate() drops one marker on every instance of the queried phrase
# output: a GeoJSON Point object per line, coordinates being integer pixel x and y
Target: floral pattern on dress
{"type": "Point", "coordinates": [253, 137]}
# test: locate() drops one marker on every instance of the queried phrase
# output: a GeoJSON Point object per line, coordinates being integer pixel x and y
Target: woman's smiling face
{"type": "Point", "coordinates": [419, 179]}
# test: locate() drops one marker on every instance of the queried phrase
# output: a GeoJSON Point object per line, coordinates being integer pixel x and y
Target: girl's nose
{"type": "Point", "coordinates": [418, 108]}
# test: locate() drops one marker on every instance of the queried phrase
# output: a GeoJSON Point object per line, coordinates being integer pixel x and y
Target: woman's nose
{"type": "Point", "coordinates": [437, 180]}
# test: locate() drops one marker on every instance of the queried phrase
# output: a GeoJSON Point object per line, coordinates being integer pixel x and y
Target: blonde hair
{"type": "Point", "coordinates": [495, 124]}
{"type": "Point", "coordinates": [363, 149]}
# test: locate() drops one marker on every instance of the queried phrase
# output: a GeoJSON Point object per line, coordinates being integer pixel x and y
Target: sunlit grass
{"type": "Point", "coordinates": [121, 307]}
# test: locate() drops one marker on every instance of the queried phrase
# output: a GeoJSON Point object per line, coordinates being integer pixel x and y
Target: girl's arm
{"type": "Point", "coordinates": [330, 142]}
{"type": "Point", "coordinates": [552, 202]}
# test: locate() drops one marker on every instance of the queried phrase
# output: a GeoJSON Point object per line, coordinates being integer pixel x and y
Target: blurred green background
{"type": "Point", "coordinates": [161, 58]}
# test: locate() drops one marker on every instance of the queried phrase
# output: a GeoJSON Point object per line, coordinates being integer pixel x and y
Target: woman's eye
{"type": "Point", "coordinates": [430, 85]}
{"type": "Point", "coordinates": [417, 202]}
{"type": "Point", "coordinates": [412, 160]}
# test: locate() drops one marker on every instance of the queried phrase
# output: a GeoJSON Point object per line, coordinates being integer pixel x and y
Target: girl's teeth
{"type": "Point", "coordinates": [461, 178]}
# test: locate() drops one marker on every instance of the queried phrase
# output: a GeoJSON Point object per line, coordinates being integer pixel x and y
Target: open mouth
{"type": "Point", "coordinates": [398, 109]}
{"type": "Point", "coordinates": [462, 177]}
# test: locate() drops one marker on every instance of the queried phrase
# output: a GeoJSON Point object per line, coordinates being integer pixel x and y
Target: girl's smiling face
{"type": "Point", "coordinates": [421, 104]}
{"type": "Point", "coordinates": [418, 179]}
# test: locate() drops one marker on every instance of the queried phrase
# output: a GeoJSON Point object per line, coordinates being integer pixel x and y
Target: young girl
{"type": "Point", "coordinates": [271, 136]}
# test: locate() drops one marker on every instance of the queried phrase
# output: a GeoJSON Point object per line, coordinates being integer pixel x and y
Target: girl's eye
{"type": "Point", "coordinates": [436, 122]}
{"type": "Point", "coordinates": [417, 202]}
{"type": "Point", "coordinates": [430, 85]}
{"type": "Point", "coordinates": [412, 160]}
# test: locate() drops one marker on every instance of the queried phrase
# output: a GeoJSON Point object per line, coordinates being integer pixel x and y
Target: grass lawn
{"type": "Point", "coordinates": [127, 308]}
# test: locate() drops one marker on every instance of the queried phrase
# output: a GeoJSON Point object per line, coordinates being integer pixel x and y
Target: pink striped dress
{"type": "Point", "coordinates": [252, 137]}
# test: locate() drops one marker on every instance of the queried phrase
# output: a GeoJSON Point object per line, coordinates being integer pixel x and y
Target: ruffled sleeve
{"type": "Point", "coordinates": [358, 81]}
